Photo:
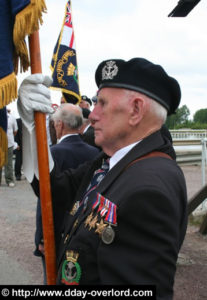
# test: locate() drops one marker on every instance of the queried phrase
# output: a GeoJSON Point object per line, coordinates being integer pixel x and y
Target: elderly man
{"type": "Point", "coordinates": [126, 227]}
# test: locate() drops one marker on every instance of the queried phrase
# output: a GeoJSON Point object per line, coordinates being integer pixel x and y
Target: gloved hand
{"type": "Point", "coordinates": [34, 95]}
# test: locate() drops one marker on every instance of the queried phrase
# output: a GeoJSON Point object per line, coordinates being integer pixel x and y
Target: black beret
{"type": "Point", "coordinates": [141, 75]}
{"type": "Point", "coordinates": [85, 98]}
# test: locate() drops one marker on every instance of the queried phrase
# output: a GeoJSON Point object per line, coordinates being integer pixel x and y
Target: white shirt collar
{"type": "Point", "coordinates": [86, 128]}
{"type": "Point", "coordinates": [118, 155]}
{"type": "Point", "coordinates": [65, 136]}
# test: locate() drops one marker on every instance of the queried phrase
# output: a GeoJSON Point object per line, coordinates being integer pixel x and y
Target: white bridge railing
{"type": "Point", "coordinates": [188, 134]}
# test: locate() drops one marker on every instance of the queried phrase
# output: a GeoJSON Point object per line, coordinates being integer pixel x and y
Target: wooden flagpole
{"type": "Point", "coordinates": [43, 164]}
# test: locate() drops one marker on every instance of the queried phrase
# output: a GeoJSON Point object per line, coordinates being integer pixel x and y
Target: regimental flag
{"type": "Point", "coordinates": [64, 62]}
{"type": "Point", "coordinates": [17, 20]}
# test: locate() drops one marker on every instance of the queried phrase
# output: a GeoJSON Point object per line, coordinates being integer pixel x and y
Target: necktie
{"type": "Point", "coordinates": [95, 181]}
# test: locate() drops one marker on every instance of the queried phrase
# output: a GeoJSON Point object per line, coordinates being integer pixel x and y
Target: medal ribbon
{"type": "Point", "coordinates": [105, 207]}
{"type": "Point", "coordinates": [96, 203]}
{"type": "Point", "coordinates": [111, 216]}
{"type": "Point", "coordinates": [102, 201]}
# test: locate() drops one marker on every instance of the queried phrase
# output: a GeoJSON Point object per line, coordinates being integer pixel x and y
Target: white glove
{"type": "Point", "coordinates": [34, 95]}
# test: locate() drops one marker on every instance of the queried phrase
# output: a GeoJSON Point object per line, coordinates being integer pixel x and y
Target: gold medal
{"type": "Point", "coordinates": [88, 220]}
{"type": "Point", "coordinates": [75, 223]}
{"type": "Point", "coordinates": [93, 222]}
{"type": "Point", "coordinates": [100, 227]}
{"type": "Point", "coordinates": [74, 209]}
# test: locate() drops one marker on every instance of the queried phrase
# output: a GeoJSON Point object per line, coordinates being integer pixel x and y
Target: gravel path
{"type": "Point", "coordinates": [18, 265]}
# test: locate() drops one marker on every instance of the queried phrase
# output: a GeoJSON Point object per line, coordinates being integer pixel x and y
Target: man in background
{"type": "Point", "coordinates": [69, 152]}
{"type": "Point", "coordinates": [87, 131]}
{"type": "Point", "coordinates": [18, 151]}
{"type": "Point", "coordinates": [85, 102]}
{"type": "Point", "coordinates": [12, 145]}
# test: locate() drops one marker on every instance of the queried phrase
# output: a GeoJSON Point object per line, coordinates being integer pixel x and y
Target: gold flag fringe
{"type": "Point", "coordinates": [26, 22]}
{"type": "Point", "coordinates": [8, 89]}
{"type": "Point", "coordinates": [78, 97]}
{"type": "Point", "coordinates": [3, 147]}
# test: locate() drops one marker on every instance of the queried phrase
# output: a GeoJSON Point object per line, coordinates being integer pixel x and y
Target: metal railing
{"type": "Point", "coordinates": [198, 203]}
{"type": "Point", "coordinates": [191, 148]}
{"type": "Point", "coordinates": [203, 165]}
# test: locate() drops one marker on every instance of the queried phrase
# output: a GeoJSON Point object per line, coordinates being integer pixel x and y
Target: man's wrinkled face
{"type": "Point", "coordinates": [110, 118]}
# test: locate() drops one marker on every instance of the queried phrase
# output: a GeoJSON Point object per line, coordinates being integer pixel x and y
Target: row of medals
{"type": "Point", "coordinates": [105, 230]}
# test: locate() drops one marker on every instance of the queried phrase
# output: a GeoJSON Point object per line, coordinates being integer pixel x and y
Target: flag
{"type": "Point", "coordinates": [18, 18]}
{"type": "Point", "coordinates": [64, 62]}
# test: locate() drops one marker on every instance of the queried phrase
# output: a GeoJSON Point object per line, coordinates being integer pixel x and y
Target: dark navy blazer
{"type": "Point", "coordinates": [69, 153]}
{"type": "Point", "coordinates": [151, 201]}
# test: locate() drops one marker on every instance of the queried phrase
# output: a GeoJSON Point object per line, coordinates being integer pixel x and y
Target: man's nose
{"type": "Point", "coordinates": [92, 115]}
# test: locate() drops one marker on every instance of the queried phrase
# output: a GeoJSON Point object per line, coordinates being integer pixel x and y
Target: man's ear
{"type": "Point", "coordinates": [62, 126]}
{"type": "Point", "coordinates": [137, 110]}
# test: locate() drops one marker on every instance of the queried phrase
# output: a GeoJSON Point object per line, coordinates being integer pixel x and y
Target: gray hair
{"type": "Point", "coordinates": [158, 110]}
{"type": "Point", "coordinates": [71, 119]}
{"type": "Point", "coordinates": [155, 108]}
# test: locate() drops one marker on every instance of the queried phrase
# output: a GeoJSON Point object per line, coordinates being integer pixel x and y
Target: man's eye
{"type": "Point", "coordinates": [102, 102]}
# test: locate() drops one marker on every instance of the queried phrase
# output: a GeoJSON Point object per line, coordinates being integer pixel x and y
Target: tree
{"type": "Point", "coordinates": [181, 117]}
{"type": "Point", "coordinates": [200, 116]}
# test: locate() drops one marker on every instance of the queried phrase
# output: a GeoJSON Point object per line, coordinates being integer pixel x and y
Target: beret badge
{"type": "Point", "coordinates": [110, 70]}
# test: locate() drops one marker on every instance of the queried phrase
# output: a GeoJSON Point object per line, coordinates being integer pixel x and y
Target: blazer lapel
{"type": "Point", "coordinates": [146, 146]}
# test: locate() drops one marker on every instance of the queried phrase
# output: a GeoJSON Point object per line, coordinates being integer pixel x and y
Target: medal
{"type": "Point", "coordinates": [100, 227]}
{"type": "Point", "coordinates": [93, 222]}
{"type": "Point", "coordinates": [71, 270]}
{"type": "Point", "coordinates": [74, 209]}
{"type": "Point", "coordinates": [89, 219]}
{"type": "Point", "coordinates": [108, 235]}
{"type": "Point", "coordinates": [75, 223]}
{"type": "Point", "coordinates": [108, 213]}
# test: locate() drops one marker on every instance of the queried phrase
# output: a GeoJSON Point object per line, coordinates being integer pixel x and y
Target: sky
{"type": "Point", "coordinates": [110, 29]}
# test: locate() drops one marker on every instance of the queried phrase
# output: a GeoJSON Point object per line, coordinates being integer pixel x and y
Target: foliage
{"type": "Point", "coordinates": [180, 118]}
{"type": "Point", "coordinates": [200, 116]}
{"type": "Point", "coordinates": [198, 125]}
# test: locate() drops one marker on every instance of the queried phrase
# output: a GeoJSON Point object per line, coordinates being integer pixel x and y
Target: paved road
{"type": "Point", "coordinates": [18, 265]}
